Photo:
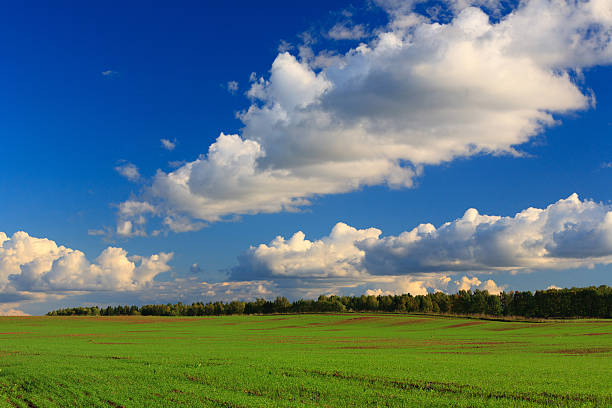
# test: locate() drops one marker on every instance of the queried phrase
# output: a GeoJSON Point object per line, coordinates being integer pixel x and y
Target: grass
{"type": "Point", "coordinates": [351, 360]}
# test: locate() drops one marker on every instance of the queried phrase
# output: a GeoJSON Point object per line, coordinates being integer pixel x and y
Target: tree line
{"type": "Point", "coordinates": [575, 302]}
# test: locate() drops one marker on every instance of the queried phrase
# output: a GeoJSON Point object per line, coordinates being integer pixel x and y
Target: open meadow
{"type": "Point", "coordinates": [340, 360]}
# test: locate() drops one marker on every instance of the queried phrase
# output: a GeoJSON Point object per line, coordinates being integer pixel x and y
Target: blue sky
{"type": "Point", "coordinates": [416, 125]}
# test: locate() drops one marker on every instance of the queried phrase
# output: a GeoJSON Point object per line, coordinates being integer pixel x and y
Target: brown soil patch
{"type": "Point", "coordinates": [142, 331]}
{"type": "Point", "coordinates": [453, 326]}
{"type": "Point", "coordinates": [172, 337]}
{"type": "Point", "coordinates": [358, 320]}
{"type": "Point", "coordinates": [145, 319]}
{"type": "Point", "coordinates": [409, 321]}
{"type": "Point", "coordinates": [587, 334]}
{"type": "Point", "coordinates": [365, 347]}
{"type": "Point", "coordinates": [514, 327]}
{"type": "Point", "coordinates": [460, 352]}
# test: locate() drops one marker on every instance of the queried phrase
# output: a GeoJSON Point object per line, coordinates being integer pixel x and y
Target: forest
{"type": "Point", "coordinates": [552, 303]}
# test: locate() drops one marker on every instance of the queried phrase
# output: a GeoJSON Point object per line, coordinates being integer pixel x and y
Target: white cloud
{"type": "Point", "coordinates": [284, 46]}
{"type": "Point", "coordinates": [345, 31]}
{"type": "Point", "coordinates": [399, 285]}
{"type": "Point", "coordinates": [567, 234]}
{"type": "Point", "coordinates": [11, 309]}
{"type": "Point", "coordinates": [232, 86]}
{"type": "Point", "coordinates": [168, 144]}
{"type": "Point", "coordinates": [129, 171]}
{"type": "Point", "coordinates": [377, 292]}
{"type": "Point", "coordinates": [124, 228]}
{"type": "Point", "coordinates": [492, 287]}
{"type": "Point", "coordinates": [182, 224]}
{"type": "Point", "coordinates": [109, 73]}
{"type": "Point", "coordinates": [553, 287]}
{"type": "Point", "coordinates": [333, 256]}
{"type": "Point", "coordinates": [29, 264]}
{"type": "Point", "coordinates": [421, 92]}
{"type": "Point", "coordinates": [466, 283]}
{"type": "Point", "coordinates": [132, 218]}
{"type": "Point", "coordinates": [35, 270]}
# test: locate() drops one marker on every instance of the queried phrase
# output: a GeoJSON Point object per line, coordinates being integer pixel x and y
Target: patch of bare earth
{"type": "Point", "coordinates": [454, 326]}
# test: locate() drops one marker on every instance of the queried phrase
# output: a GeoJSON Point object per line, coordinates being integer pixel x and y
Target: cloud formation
{"type": "Point", "coordinates": [232, 87]}
{"type": "Point", "coordinates": [346, 31]}
{"type": "Point", "coordinates": [570, 233]}
{"type": "Point", "coordinates": [38, 265]}
{"type": "Point", "coordinates": [35, 271]}
{"type": "Point", "coordinates": [423, 91]}
{"type": "Point", "coordinates": [168, 144]}
{"type": "Point", "coordinates": [9, 309]}
{"type": "Point", "coordinates": [129, 171]}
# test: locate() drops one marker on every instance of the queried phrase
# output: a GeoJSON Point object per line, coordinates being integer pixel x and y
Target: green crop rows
{"type": "Point", "coordinates": [350, 360]}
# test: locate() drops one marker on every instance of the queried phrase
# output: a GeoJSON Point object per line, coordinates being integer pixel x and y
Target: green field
{"type": "Point", "coordinates": [350, 360]}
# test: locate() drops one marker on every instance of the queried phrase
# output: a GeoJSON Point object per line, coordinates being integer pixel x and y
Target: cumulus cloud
{"type": "Point", "coordinates": [567, 234]}
{"type": "Point", "coordinates": [345, 31]}
{"type": "Point", "coordinates": [422, 91]}
{"type": "Point", "coordinates": [333, 256]}
{"type": "Point", "coordinates": [34, 271]}
{"type": "Point", "coordinates": [37, 270]}
{"type": "Point", "coordinates": [466, 283]}
{"type": "Point", "coordinates": [232, 87]}
{"type": "Point", "coordinates": [129, 171]}
{"type": "Point", "coordinates": [168, 144]}
{"type": "Point", "coordinates": [132, 218]}
{"type": "Point", "coordinates": [29, 264]}
{"type": "Point", "coordinates": [180, 223]}
{"type": "Point", "coordinates": [109, 73]}
{"type": "Point", "coordinates": [284, 46]}
{"type": "Point", "coordinates": [492, 287]}
{"type": "Point", "coordinates": [11, 309]}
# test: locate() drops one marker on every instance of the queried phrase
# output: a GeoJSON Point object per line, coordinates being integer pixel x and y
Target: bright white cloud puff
{"type": "Point", "coordinates": [129, 171]}
{"type": "Point", "coordinates": [168, 144]}
{"type": "Point", "coordinates": [34, 270]}
{"type": "Point", "coordinates": [29, 264]}
{"type": "Point", "coordinates": [567, 234]}
{"type": "Point", "coordinates": [420, 92]}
